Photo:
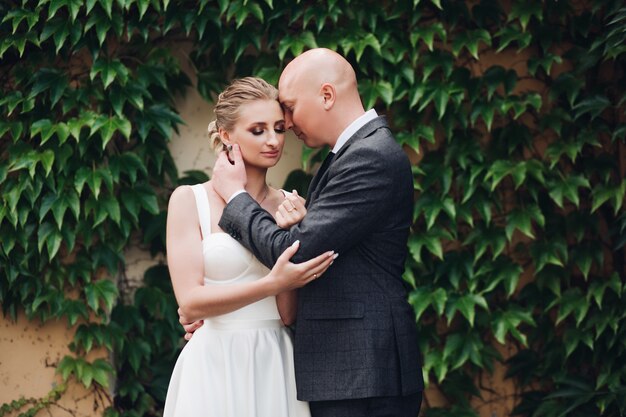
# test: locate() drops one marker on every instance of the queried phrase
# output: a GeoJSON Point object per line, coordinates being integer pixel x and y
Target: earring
{"type": "Point", "coordinates": [229, 148]}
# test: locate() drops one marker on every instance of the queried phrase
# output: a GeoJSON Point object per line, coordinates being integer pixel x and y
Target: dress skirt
{"type": "Point", "coordinates": [236, 369]}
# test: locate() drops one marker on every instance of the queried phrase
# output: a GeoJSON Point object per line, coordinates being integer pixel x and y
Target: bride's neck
{"type": "Point", "coordinates": [256, 184]}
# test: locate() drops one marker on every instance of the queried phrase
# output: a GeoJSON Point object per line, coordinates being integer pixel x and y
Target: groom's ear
{"type": "Point", "coordinates": [328, 95]}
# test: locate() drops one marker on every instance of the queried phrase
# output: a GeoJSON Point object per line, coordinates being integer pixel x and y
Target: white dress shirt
{"type": "Point", "coordinates": [353, 128]}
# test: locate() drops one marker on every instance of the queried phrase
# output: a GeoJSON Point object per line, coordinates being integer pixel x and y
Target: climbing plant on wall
{"type": "Point", "coordinates": [513, 113]}
{"type": "Point", "coordinates": [86, 96]}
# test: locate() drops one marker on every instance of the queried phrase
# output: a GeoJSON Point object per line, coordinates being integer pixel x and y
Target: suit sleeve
{"type": "Point", "coordinates": [359, 191]}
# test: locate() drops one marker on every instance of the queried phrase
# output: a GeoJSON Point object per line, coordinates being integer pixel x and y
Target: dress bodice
{"type": "Point", "coordinates": [227, 262]}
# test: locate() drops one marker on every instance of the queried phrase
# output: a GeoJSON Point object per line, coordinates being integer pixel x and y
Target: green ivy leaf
{"type": "Point", "coordinates": [470, 41]}
{"type": "Point", "coordinates": [524, 11]}
{"type": "Point", "coordinates": [43, 127]}
{"type": "Point", "coordinates": [509, 34]}
{"type": "Point", "coordinates": [603, 193]}
{"type": "Point", "coordinates": [466, 304]}
{"type": "Point", "coordinates": [147, 198]}
{"type": "Point", "coordinates": [102, 290]}
{"type": "Point", "coordinates": [567, 187]}
{"type": "Point", "coordinates": [520, 219]}
{"type": "Point", "coordinates": [593, 106]}
{"type": "Point", "coordinates": [66, 367]}
{"type": "Point", "coordinates": [102, 370]}
{"type": "Point", "coordinates": [574, 302]}
{"type": "Point", "coordinates": [508, 322]}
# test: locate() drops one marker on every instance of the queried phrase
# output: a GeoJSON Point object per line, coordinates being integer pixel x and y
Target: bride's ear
{"type": "Point", "coordinates": [224, 136]}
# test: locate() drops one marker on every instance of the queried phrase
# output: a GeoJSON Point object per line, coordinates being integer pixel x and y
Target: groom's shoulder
{"type": "Point", "coordinates": [383, 140]}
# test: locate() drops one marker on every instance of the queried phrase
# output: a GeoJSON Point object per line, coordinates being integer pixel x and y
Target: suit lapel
{"type": "Point", "coordinates": [320, 178]}
{"type": "Point", "coordinates": [320, 173]}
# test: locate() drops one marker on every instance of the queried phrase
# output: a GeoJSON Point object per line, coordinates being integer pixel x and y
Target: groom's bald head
{"type": "Point", "coordinates": [324, 83]}
{"type": "Point", "coordinates": [318, 66]}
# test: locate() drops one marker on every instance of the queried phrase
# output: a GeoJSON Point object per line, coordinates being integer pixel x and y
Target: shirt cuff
{"type": "Point", "coordinates": [235, 194]}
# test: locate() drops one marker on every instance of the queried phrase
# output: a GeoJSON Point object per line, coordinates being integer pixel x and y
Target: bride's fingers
{"type": "Point", "coordinates": [288, 214]}
{"type": "Point", "coordinates": [296, 202]}
{"type": "Point", "coordinates": [284, 211]}
{"type": "Point", "coordinates": [315, 262]}
{"type": "Point", "coordinates": [319, 270]}
{"type": "Point", "coordinates": [280, 220]}
{"type": "Point", "coordinates": [316, 266]}
{"type": "Point", "coordinates": [288, 253]}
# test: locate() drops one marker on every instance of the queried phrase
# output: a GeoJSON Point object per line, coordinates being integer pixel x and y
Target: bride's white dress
{"type": "Point", "coordinates": [238, 364]}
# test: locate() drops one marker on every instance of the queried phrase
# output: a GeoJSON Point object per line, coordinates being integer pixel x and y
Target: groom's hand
{"type": "Point", "coordinates": [229, 177]}
{"type": "Point", "coordinates": [189, 326]}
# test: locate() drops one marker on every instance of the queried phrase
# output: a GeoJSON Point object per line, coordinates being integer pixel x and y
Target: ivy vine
{"type": "Point", "coordinates": [514, 113]}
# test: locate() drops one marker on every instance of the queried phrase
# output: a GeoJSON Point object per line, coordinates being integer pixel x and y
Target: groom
{"type": "Point", "coordinates": [356, 347]}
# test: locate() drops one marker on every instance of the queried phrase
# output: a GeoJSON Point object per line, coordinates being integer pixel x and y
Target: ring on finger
{"type": "Point", "coordinates": [314, 275]}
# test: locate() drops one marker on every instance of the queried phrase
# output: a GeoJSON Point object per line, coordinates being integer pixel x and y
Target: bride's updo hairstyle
{"type": "Point", "coordinates": [238, 93]}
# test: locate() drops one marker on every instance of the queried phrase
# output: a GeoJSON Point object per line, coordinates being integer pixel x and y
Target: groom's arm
{"type": "Point", "coordinates": [358, 193]}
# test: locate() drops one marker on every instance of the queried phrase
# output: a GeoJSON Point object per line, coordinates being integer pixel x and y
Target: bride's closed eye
{"type": "Point", "coordinates": [280, 127]}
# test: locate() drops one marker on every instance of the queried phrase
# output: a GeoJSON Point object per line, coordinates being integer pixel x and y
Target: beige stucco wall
{"type": "Point", "coordinates": [29, 353]}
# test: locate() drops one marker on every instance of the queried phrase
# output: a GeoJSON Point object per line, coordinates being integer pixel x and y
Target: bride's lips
{"type": "Point", "coordinates": [271, 154]}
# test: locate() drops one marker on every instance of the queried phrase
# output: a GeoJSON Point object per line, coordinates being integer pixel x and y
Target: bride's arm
{"type": "Point", "coordinates": [186, 266]}
{"type": "Point", "coordinates": [291, 211]}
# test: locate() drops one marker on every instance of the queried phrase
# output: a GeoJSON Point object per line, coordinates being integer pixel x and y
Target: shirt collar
{"type": "Point", "coordinates": [353, 128]}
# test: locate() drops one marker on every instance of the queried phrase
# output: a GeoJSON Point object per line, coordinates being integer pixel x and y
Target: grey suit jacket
{"type": "Point", "coordinates": [355, 331]}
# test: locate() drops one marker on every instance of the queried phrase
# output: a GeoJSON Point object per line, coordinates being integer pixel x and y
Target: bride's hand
{"type": "Point", "coordinates": [291, 211]}
{"type": "Point", "coordinates": [288, 276]}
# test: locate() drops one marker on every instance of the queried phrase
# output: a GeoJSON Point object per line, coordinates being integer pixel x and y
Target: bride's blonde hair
{"type": "Point", "coordinates": [238, 93]}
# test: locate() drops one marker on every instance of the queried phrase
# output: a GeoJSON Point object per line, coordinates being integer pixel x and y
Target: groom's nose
{"type": "Point", "coordinates": [288, 120]}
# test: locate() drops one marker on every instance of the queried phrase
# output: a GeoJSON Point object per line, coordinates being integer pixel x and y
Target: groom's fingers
{"type": "Point", "coordinates": [192, 327]}
{"type": "Point", "coordinates": [236, 155]}
{"type": "Point", "coordinates": [221, 161]}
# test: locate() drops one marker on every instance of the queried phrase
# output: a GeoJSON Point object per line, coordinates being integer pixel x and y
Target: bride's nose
{"type": "Point", "coordinates": [272, 139]}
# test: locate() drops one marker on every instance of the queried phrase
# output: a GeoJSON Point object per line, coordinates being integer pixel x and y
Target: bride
{"type": "Point", "coordinates": [239, 363]}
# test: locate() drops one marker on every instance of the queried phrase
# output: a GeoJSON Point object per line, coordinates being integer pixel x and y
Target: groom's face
{"type": "Point", "coordinates": [303, 110]}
